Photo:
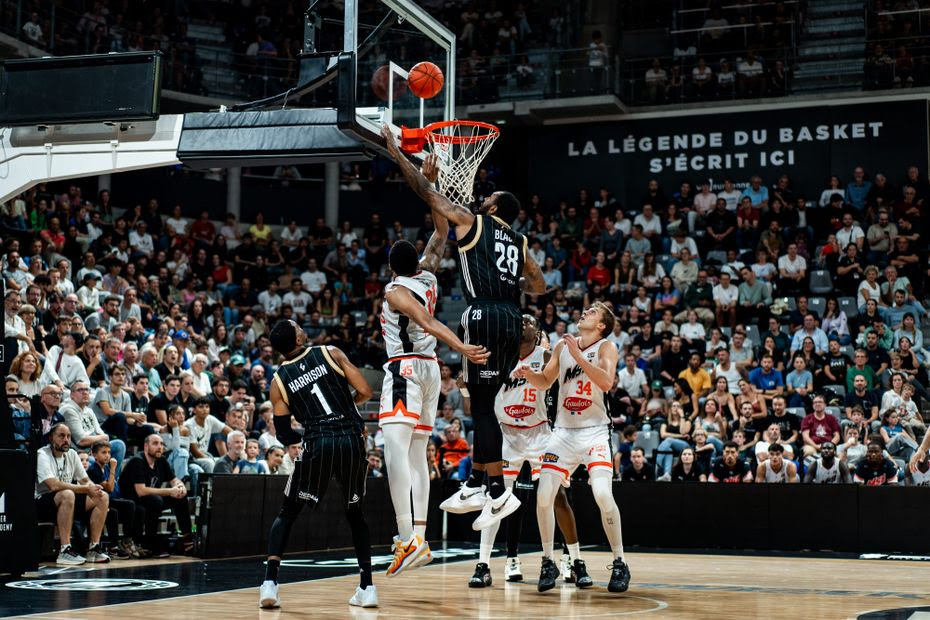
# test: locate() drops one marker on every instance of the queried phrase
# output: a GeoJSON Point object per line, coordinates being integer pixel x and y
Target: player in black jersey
{"type": "Point", "coordinates": [313, 386]}
{"type": "Point", "coordinates": [495, 267]}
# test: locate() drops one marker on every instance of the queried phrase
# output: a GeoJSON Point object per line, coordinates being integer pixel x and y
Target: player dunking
{"type": "Point", "coordinates": [522, 412]}
{"type": "Point", "coordinates": [410, 392]}
{"type": "Point", "coordinates": [493, 260]}
{"type": "Point", "coordinates": [313, 385]}
{"type": "Point", "coordinates": [585, 368]}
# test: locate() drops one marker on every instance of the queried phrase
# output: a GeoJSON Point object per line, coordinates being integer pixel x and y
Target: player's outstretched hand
{"type": "Point", "coordinates": [476, 354]}
{"type": "Point", "coordinates": [430, 167]}
{"type": "Point", "coordinates": [390, 140]}
{"type": "Point", "coordinates": [916, 458]}
{"type": "Point", "coordinates": [572, 343]}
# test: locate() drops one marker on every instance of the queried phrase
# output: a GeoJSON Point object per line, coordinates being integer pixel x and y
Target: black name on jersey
{"type": "Point", "coordinates": [571, 373]}
{"type": "Point", "coordinates": [501, 234]}
{"type": "Point", "coordinates": [307, 378]}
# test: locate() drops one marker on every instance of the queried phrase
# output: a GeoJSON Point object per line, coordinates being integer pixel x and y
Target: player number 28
{"type": "Point", "coordinates": [508, 258]}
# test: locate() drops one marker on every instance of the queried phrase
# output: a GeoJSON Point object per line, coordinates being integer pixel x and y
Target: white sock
{"type": "Point", "coordinates": [396, 447]}
{"type": "Point", "coordinates": [419, 482]}
{"type": "Point", "coordinates": [545, 514]}
{"type": "Point", "coordinates": [405, 526]}
{"type": "Point", "coordinates": [574, 551]}
{"type": "Point", "coordinates": [610, 514]}
{"type": "Point", "coordinates": [488, 536]}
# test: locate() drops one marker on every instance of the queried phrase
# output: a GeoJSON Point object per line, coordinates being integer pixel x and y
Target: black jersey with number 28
{"type": "Point", "coordinates": [317, 393]}
{"type": "Point", "coordinates": [492, 262]}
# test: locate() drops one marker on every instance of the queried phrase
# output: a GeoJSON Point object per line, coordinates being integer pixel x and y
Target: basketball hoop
{"type": "Point", "coordinates": [460, 147]}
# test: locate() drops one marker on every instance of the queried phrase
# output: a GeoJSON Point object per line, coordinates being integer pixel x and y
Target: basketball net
{"type": "Point", "coordinates": [460, 147]}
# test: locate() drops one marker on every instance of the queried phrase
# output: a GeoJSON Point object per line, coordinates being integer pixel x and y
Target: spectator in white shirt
{"type": "Point", "coordinates": [270, 299]}
{"type": "Point", "coordinates": [298, 299]}
{"type": "Point", "coordinates": [850, 233]}
{"type": "Point", "coordinates": [751, 76]}
{"type": "Point", "coordinates": [726, 297]}
{"type": "Point", "coordinates": [176, 224]}
{"type": "Point", "coordinates": [730, 194]}
{"type": "Point", "coordinates": [313, 279]}
{"type": "Point", "coordinates": [62, 365]}
{"type": "Point", "coordinates": [14, 326]}
{"type": "Point", "coordinates": [632, 380]}
{"type": "Point", "coordinates": [291, 235]}
{"type": "Point", "coordinates": [792, 271]}
{"type": "Point", "coordinates": [140, 241]}
{"type": "Point", "coordinates": [652, 225]}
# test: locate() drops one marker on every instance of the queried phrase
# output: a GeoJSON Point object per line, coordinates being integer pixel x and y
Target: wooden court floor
{"type": "Point", "coordinates": [664, 586]}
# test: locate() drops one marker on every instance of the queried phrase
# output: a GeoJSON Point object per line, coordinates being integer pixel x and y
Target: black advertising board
{"type": "Point", "coordinates": [807, 143]}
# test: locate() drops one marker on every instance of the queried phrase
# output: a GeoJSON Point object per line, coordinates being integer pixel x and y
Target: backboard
{"type": "Point", "coordinates": [398, 34]}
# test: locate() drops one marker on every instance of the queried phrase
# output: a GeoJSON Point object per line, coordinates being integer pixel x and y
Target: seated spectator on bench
{"type": "Point", "coordinates": [639, 470]}
{"type": "Point", "coordinates": [875, 470]}
{"type": "Point", "coordinates": [113, 407]}
{"type": "Point", "coordinates": [64, 490]}
{"type": "Point", "coordinates": [143, 480]}
{"type": "Point", "coordinates": [202, 427]}
{"type": "Point", "coordinates": [729, 468]}
{"type": "Point", "coordinates": [85, 431]}
{"type": "Point", "coordinates": [102, 471]}
{"type": "Point", "coordinates": [274, 457]}
{"type": "Point", "coordinates": [232, 462]}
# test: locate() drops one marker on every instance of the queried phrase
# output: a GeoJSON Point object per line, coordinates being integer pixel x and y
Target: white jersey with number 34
{"type": "Point", "coordinates": [581, 402]}
{"type": "Point", "coordinates": [518, 403]}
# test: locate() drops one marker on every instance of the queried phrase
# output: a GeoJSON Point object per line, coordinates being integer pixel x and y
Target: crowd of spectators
{"type": "Point", "coordinates": [898, 55]}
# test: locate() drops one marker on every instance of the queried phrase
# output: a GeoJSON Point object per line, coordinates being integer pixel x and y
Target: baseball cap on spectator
{"type": "Point", "coordinates": [223, 349]}
{"type": "Point", "coordinates": [657, 385]}
{"type": "Point", "coordinates": [237, 360]}
{"type": "Point", "coordinates": [181, 335]}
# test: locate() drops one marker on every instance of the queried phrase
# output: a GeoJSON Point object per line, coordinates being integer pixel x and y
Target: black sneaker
{"type": "Point", "coordinates": [580, 574]}
{"type": "Point", "coordinates": [619, 576]}
{"type": "Point", "coordinates": [547, 575]}
{"type": "Point", "coordinates": [481, 578]}
{"type": "Point", "coordinates": [117, 552]}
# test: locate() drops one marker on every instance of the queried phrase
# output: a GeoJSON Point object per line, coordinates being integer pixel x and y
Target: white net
{"type": "Point", "coordinates": [460, 147]}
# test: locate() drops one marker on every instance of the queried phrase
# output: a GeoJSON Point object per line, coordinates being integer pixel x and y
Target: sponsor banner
{"type": "Point", "coordinates": [808, 144]}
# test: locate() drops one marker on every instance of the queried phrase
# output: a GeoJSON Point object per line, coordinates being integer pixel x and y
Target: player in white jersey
{"type": "Point", "coordinates": [585, 368]}
{"type": "Point", "coordinates": [776, 469]}
{"type": "Point", "coordinates": [827, 469]}
{"type": "Point", "coordinates": [522, 411]}
{"type": "Point", "coordinates": [410, 391]}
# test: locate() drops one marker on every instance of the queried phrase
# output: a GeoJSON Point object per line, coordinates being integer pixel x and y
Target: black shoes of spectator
{"type": "Point", "coordinates": [580, 575]}
{"type": "Point", "coordinates": [118, 551]}
{"type": "Point", "coordinates": [619, 576]}
{"type": "Point", "coordinates": [481, 578]}
{"type": "Point", "coordinates": [547, 575]}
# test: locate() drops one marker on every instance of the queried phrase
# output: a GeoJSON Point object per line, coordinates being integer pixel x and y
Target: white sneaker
{"type": "Point", "coordinates": [665, 478]}
{"type": "Point", "coordinates": [466, 499]}
{"type": "Point", "coordinates": [268, 597]}
{"type": "Point", "coordinates": [512, 570]}
{"type": "Point", "coordinates": [496, 509]}
{"type": "Point", "coordinates": [365, 598]}
{"type": "Point", "coordinates": [95, 555]}
{"type": "Point", "coordinates": [68, 557]}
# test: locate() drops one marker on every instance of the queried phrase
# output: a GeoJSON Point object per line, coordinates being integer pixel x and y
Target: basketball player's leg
{"type": "Point", "coordinates": [306, 484]}
{"type": "Point", "coordinates": [419, 472]}
{"type": "Point", "coordinates": [351, 472]}
{"type": "Point", "coordinates": [600, 472]}
{"type": "Point", "coordinates": [397, 448]}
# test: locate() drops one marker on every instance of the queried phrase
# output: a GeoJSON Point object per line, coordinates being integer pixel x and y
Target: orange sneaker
{"type": "Point", "coordinates": [406, 553]}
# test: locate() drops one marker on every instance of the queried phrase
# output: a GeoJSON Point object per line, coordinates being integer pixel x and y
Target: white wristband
{"type": "Point", "coordinates": [464, 392]}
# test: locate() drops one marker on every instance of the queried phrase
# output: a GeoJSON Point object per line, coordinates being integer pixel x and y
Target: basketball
{"type": "Point", "coordinates": [425, 80]}
{"type": "Point", "coordinates": [379, 83]}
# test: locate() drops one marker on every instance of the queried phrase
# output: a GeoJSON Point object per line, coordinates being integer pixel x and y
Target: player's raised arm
{"type": "Point", "coordinates": [438, 204]}
{"type": "Point", "coordinates": [403, 302]}
{"type": "Point", "coordinates": [437, 242]}
{"type": "Point", "coordinates": [533, 281]}
{"type": "Point", "coordinates": [353, 376]}
{"type": "Point", "coordinates": [550, 372]}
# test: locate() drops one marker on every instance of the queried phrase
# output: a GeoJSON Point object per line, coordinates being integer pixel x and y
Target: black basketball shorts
{"type": "Point", "coordinates": [498, 327]}
{"type": "Point", "coordinates": [341, 457]}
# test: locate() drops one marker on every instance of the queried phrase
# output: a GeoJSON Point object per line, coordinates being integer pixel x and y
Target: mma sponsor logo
{"type": "Point", "coordinates": [571, 373]}
{"type": "Point", "coordinates": [518, 412]}
{"type": "Point", "coordinates": [488, 374]}
{"type": "Point", "coordinates": [575, 404]}
{"type": "Point", "coordinates": [308, 497]}
{"type": "Point", "coordinates": [549, 457]}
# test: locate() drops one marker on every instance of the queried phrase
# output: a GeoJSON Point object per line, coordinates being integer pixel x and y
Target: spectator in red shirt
{"type": "Point", "coordinates": [453, 450]}
{"type": "Point", "coordinates": [203, 230]}
{"type": "Point", "coordinates": [579, 262]}
{"type": "Point", "coordinates": [819, 427]}
{"type": "Point", "coordinates": [599, 273]}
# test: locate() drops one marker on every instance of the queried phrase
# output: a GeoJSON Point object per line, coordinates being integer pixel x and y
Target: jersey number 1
{"type": "Point", "coordinates": [316, 391]}
{"type": "Point", "coordinates": [508, 258]}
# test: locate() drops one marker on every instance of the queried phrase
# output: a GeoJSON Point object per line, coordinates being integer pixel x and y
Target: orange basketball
{"type": "Point", "coordinates": [425, 80]}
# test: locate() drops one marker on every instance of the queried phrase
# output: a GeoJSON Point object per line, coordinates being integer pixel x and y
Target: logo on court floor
{"type": "Point", "coordinates": [97, 585]}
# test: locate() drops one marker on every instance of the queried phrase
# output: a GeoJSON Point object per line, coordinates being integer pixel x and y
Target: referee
{"type": "Point", "coordinates": [313, 385]}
